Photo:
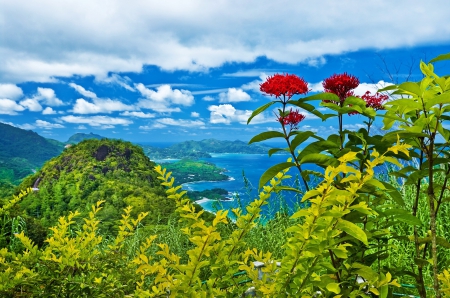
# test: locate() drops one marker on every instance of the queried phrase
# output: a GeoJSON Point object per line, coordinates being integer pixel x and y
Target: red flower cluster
{"type": "Point", "coordinates": [285, 85]}
{"type": "Point", "coordinates": [373, 101]}
{"type": "Point", "coordinates": [341, 85]}
{"type": "Point", "coordinates": [292, 119]}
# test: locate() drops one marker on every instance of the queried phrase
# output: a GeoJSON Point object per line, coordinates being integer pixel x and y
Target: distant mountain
{"type": "Point", "coordinates": [201, 149]}
{"type": "Point", "coordinates": [22, 151]}
{"type": "Point", "coordinates": [78, 137]}
{"type": "Point", "coordinates": [111, 170]}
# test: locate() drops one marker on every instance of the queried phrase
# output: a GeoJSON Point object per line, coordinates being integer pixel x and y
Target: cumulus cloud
{"type": "Point", "coordinates": [10, 91]}
{"type": "Point", "coordinates": [116, 79]}
{"type": "Point", "coordinates": [195, 114]}
{"type": "Point", "coordinates": [10, 107]}
{"type": "Point", "coordinates": [31, 104]}
{"type": "Point", "coordinates": [138, 114]}
{"type": "Point", "coordinates": [48, 111]}
{"type": "Point", "coordinates": [47, 125]}
{"type": "Point", "coordinates": [207, 34]}
{"type": "Point", "coordinates": [226, 114]}
{"type": "Point", "coordinates": [153, 126]}
{"type": "Point", "coordinates": [164, 98]}
{"type": "Point", "coordinates": [255, 85]}
{"type": "Point", "coordinates": [208, 98]}
{"type": "Point", "coordinates": [99, 105]}
{"type": "Point", "coordinates": [43, 96]}
{"type": "Point", "coordinates": [373, 88]}
{"type": "Point", "coordinates": [234, 95]}
{"type": "Point", "coordinates": [181, 122]}
{"type": "Point", "coordinates": [82, 91]}
{"type": "Point", "coordinates": [96, 120]}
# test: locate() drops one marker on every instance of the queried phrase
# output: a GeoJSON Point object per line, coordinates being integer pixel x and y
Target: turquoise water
{"type": "Point", "coordinates": [252, 166]}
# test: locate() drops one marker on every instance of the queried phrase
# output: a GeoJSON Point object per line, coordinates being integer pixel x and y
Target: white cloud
{"type": "Point", "coordinates": [10, 107]}
{"type": "Point", "coordinates": [82, 91]}
{"type": "Point", "coordinates": [31, 104]}
{"type": "Point", "coordinates": [255, 85]}
{"type": "Point", "coordinates": [316, 87]}
{"type": "Point", "coordinates": [123, 82]}
{"type": "Point", "coordinates": [234, 95]}
{"type": "Point", "coordinates": [181, 122]}
{"type": "Point", "coordinates": [99, 105]}
{"type": "Point", "coordinates": [227, 114]}
{"type": "Point", "coordinates": [96, 120]}
{"type": "Point", "coordinates": [206, 34]}
{"type": "Point", "coordinates": [208, 98]}
{"type": "Point", "coordinates": [10, 91]}
{"type": "Point", "coordinates": [195, 114]}
{"type": "Point", "coordinates": [48, 111]}
{"type": "Point", "coordinates": [81, 127]}
{"type": "Point", "coordinates": [153, 126]}
{"type": "Point", "coordinates": [138, 114]}
{"type": "Point", "coordinates": [164, 98]}
{"type": "Point", "coordinates": [26, 126]}
{"type": "Point", "coordinates": [373, 88]}
{"type": "Point", "coordinates": [48, 97]}
{"type": "Point", "coordinates": [47, 125]}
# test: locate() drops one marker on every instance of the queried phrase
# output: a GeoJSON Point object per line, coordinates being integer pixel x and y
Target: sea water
{"type": "Point", "coordinates": [245, 171]}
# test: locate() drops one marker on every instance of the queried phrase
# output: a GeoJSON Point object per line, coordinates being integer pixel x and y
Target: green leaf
{"type": "Point", "coordinates": [273, 171]}
{"type": "Point", "coordinates": [394, 193]}
{"type": "Point", "coordinates": [260, 110]}
{"type": "Point", "coordinates": [319, 159]}
{"type": "Point", "coordinates": [440, 58]}
{"type": "Point", "coordinates": [353, 230]}
{"type": "Point", "coordinates": [388, 88]}
{"type": "Point", "coordinates": [321, 96]}
{"type": "Point", "coordinates": [317, 147]}
{"type": "Point", "coordinates": [353, 100]}
{"type": "Point", "coordinates": [411, 87]}
{"type": "Point", "coordinates": [275, 150]}
{"type": "Point", "coordinates": [440, 99]}
{"type": "Point", "coordinates": [334, 287]}
{"type": "Point", "coordinates": [300, 138]}
{"type": "Point", "coordinates": [266, 136]}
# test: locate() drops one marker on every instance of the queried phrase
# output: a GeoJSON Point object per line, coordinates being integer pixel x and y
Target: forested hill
{"type": "Point", "coordinates": [111, 170]}
{"type": "Point", "coordinates": [198, 149]}
{"type": "Point", "coordinates": [78, 137]}
{"type": "Point", "coordinates": [23, 150]}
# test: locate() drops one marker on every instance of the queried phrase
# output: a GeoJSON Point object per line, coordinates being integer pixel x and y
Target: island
{"type": "Point", "coordinates": [188, 170]}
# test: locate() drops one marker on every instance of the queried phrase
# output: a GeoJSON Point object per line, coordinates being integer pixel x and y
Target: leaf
{"type": "Point", "coordinates": [260, 110]}
{"type": "Point", "coordinates": [317, 147]}
{"type": "Point", "coordinates": [321, 96]}
{"type": "Point", "coordinates": [353, 230]}
{"type": "Point", "coordinates": [443, 98]}
{"type": "Point", "coordinates": [273, 171]}
{"type": "Point", "coordinates": [334, 287]}
{"type": "Point", "coordinates": [411, 87]}
{"type": "Point", "coordinates": [275, 150]}
{"type": "Point", "coordinates": [300, 138]}
{"type": "Point", "coordinates": [319, 159]}
{"type": "Point", "coordinates": [266, 136]}
{"type": "Point", "coordinates": [440, 58]}
{"type": "Point", "coordinates": [394, 193]}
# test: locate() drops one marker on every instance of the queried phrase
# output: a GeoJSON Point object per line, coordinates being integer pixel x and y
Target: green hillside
{"type": "Point", "coordinates": [22, 151]}
{"type": "Point", "coordinates": [111, 170]}
{"type": "Point", "coordinates": [79, 137]}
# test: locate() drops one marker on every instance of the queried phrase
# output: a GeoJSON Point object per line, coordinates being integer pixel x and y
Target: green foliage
{"type": "Point", "coordinates": [79, 137]}
{"type": "Point", "coordinates": [111, 170]}
{"type": "Point", "coordinates": [187, 170]}
{"type": "Point", "coordinates": [22, 151]}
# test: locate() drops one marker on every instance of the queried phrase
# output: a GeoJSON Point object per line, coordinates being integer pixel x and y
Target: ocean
{"type": "Point", "coordinates": [244, 190]}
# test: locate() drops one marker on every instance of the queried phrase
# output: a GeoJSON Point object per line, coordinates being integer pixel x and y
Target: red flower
{"type": "Point", "coordinates": [373, 101]}
{"type": "Point", "coordinates": [341, 85]}
{"type": "Point", "coordinates": [285, 85]}
{"type": "Point", "coordinates": [292, 119]}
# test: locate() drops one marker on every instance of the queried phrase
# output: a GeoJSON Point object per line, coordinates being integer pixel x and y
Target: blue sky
{"type": "Point", "coordinates": [148, 71]}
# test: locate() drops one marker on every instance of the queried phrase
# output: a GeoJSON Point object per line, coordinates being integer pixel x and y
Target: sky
{"type": "Point", "coordinates": [169, 71]}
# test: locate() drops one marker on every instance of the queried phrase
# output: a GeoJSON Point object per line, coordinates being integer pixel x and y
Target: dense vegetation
{"type": "Point", "coordinates": [201, 149]}
{"type": "Point", "coordinates": [358, 235]}
{"type": "Point", "coordinates": [22, 151]}
{"type": "Point", "coordinates": [187, 170]}
{"type": "Point", "coordinates": [114, 171]}
{"type": "Point", "coordinates": [211, 194]}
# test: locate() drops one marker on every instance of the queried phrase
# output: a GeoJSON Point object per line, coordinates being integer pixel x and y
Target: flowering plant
{"type": "Point", "coordinates": [284, 86]}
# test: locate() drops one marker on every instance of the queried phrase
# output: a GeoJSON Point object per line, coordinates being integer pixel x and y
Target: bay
{"type": "Point", "coordinates": [242, 190]}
